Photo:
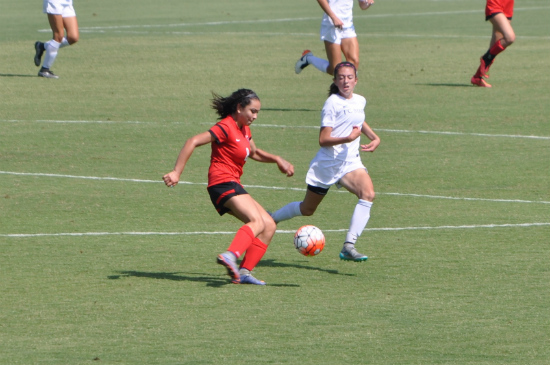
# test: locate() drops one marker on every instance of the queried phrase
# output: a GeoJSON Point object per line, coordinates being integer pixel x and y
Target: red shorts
{"type": "Point", "coordinates": [499, 6]}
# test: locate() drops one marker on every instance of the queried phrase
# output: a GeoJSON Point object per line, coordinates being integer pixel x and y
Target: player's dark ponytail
{"type": "Point", "coordinates": [333, 89]}
{"type": "Point", "coordinates": [225, 106]}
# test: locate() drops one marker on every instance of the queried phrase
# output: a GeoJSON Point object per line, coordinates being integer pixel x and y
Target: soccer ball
{"type": "Point", "coordinates": [309, 240]}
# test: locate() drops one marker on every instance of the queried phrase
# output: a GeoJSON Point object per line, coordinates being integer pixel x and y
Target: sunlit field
{"type": "Point", "coordinates": [101, 263]}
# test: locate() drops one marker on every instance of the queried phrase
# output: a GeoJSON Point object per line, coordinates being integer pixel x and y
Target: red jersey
{"type": "Point", "coordinates": [230, 150]}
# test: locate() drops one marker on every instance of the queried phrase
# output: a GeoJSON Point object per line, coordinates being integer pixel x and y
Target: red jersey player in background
{"type": "Point", "coordinates": [499, 13]}
{"type": "Point", "coordinates": [232, 144]}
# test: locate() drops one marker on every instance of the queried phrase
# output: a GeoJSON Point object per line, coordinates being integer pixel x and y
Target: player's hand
{"type": "Point", "coordinates": [171, 179]}
{"type": "Point", "coordinates": [365, 4]}
{"type": "Point", "coordinates": [337, 22]}
{"type": "Point", "coordinates": [371, 146]}
{"type": "Point", "coordinates": [355, 133]}
{"type": "Point", "coordinates": [285, 167]}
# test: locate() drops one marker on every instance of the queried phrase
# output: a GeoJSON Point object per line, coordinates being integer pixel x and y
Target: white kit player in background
{"type": "Point", "coordinates": [62, 17]}
{"type": "Point", "coordinates": [338, 162]}
{"type": "Point", "coordinates": [338, 34]}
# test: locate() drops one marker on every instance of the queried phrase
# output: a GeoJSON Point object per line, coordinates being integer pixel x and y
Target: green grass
{"type": "Point", "coordinates": [100, 263]}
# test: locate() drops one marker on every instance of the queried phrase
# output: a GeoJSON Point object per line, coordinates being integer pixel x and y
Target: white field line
{"type": "Point", "coordinates": [75, 121]}
{"type": "Point", "coordinates": [80, 234]}
{"type": "Point", "coordinates": [271, 187]}
{"type": "Point", "coordinates": [419, 131]}
{"type": "Point", "coordinates": [271, 34]}
{"type": "Point", "coordinates": [286, 20]}
{"type": "Point", "coordinates": [284, 126]}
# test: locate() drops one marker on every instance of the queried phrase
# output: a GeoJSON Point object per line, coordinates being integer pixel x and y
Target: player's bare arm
{"type": "Point", "coordinates": [375, 140]}
{"type": "Point", "coordinates": [326, 140]}
{"type": "Point", "coordinates": [262, 156]}
{"type": "Point", "coordinates": [172, 178]}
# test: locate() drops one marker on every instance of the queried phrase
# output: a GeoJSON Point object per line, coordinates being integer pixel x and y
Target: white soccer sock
{"type": "Point", "coordinates": [318, 63]}
{"type": "Point", "coordinates": [289, 211]}
{"type": "Point", "coordinates": [51, 53]}
{"type": "Point", "coordinates": [64, 43]}
{"type": "Point", "coordinates": [359, 220]}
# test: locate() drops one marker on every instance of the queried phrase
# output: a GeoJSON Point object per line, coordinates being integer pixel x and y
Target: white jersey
{"type": "Point", "coordinates": [343, 10]}
{"type": "Point", "coordinates": [342, 115]}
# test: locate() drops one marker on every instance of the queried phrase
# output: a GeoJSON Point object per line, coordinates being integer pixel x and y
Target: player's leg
{"type": "Point", "coordinates": [309, 59]}
{"type": "Point", "coordinates": [502, 36]}
{"type": "Point", "coordinates": [502, 30]}
{"type": "Point", "coordinates": [220, 195]}
{"type": "Point", "coordinates": [359, 183]}
{"type": "Point", "coordinates": [314, 197]}
{"type": "Point", "coordinates": [334, 55]}
{"type": "Point", "coordinates": [71, 26]}
{"type": "Point", "coordinates": [52, 46]}
{"type": "Point", "coordinates": [250, 212]}
{"type": "Point", "coordinates": [350, 48]}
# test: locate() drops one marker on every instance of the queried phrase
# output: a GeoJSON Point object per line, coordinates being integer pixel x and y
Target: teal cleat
{"type": "Point", "coordinates": [349, 253]}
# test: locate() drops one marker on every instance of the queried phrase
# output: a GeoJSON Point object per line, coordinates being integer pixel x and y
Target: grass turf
{"type": "Point", "coordinates": [115, 268]}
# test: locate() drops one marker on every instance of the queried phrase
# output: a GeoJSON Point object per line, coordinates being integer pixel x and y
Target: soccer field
{"type": "Point", "coordinates": [101, 263]}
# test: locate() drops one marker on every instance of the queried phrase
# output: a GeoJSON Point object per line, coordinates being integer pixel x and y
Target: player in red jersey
{"type": "Point", "coordinates": [499, 13]}
{"type": "Point", "coordinates": [232, 144]}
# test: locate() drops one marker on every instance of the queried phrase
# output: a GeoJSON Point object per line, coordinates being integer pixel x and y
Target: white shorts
{"type": "Point", "coordinates": [59, 7]}
{"type": "Point", "coordinates": [326, 171]}
{"type": "Point", "coordinates": [334, 35]}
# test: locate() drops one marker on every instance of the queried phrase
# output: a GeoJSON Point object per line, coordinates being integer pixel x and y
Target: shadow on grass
{"type": "Point", "coordinates": [214, 280]}
{"type": "Point", "coordinates": [272, 263]}
{"type": "Point", "coordinates": [14, 75]}
{"type": "Point", "coordinates": [211, 281]}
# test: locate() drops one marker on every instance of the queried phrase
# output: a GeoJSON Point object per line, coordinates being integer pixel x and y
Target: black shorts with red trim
{"type": "Point", "coordinates": [221, 193]}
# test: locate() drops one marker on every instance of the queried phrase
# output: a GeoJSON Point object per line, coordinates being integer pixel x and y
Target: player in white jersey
{"type": "Point", "coordinates": [338, 162]}
{"type": "Point", "coordinates": [338, 33]}
{"type": "Point", "coordinates": [62, 17]}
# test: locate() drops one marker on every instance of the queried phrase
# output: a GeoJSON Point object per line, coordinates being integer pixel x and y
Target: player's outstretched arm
{"type": "Point", "coordinates": [172, 178]}
{"type": "Point", "coordinates": [262, 156]}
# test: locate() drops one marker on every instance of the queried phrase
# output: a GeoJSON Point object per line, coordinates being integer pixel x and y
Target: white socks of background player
{"type": "Point", "coordinates": [51, 53]}
{"type": "Point", "coordinates": [64, 43]}
{"type": "Point", "coordinates": [359, 220]}
{"type": "Point", "coordinates": [289, 211]}
{"type": "Point", "coordinates": [318, 63]}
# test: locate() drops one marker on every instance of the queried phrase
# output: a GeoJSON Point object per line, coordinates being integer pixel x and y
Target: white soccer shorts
{"type": "Point", "coordinates": [59, 7]}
